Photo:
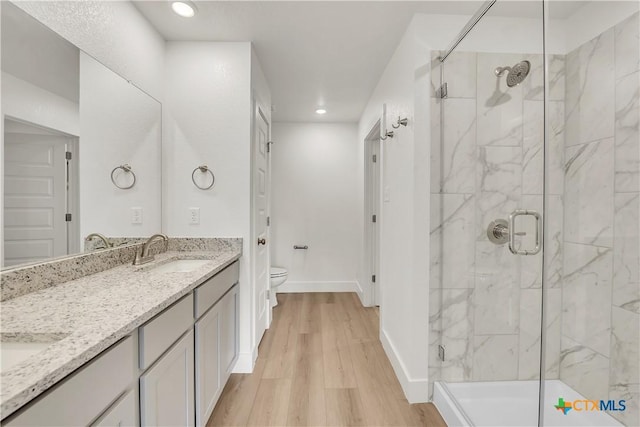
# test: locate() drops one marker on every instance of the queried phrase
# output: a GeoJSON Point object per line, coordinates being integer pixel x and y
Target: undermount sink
{"type": "Point", "coordinates": [180, 266]}
{"type": "Point", "coordinates": [15, 348]}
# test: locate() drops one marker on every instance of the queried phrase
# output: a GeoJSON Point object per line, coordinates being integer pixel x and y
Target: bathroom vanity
{"type": "Point", "coordinates": [131, 345]}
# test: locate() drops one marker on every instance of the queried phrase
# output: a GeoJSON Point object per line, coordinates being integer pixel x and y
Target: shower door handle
{"type": "Point", "coordinates": [513, 233]}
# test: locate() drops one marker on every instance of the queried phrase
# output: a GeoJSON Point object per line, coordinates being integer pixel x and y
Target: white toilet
{"type": "Point", "coordinates": [278, 276]}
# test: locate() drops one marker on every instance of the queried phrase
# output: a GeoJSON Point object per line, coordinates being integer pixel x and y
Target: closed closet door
{"type": "Point", "coordinates": [35, 198]}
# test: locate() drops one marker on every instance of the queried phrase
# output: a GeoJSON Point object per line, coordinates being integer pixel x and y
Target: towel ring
{"type": "Point", "coordinates": [203, 169]}
{"type": "Point", "coordinates": [125, 168]}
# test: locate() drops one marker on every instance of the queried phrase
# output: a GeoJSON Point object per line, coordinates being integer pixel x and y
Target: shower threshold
{"type": "Point", "coordinates": [511, 403]}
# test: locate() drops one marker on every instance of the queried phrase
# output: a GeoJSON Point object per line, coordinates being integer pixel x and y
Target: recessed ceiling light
{"type": "Point", "coordinates": [184, 8]}
{"type": "Point", "coordinates": [321, 111]}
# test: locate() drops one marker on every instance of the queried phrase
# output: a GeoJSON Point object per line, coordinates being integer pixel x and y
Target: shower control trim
{"type": "Point", "coordinates": [498, 231]}
{"type": "Point", "coordinates": [501, 232]}
{"type": "Point", "coordinates": [512, 225]}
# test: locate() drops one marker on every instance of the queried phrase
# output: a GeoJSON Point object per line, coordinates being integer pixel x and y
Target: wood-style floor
{"type": "Point", "coordinates": [321, 363]}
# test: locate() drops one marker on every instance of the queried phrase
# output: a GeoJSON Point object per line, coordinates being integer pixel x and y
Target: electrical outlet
{"type": "Point", "coordinates": [194, 216]}
{"type": "Point", "coordinates": [136, 215]}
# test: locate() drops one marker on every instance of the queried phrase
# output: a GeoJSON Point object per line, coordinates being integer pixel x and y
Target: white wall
{"type": "Point", "coordinates": [404, 220]}
{"type": "Point", "coordinates": [113, 32]}
{"type": "Point", "coordinates": [314, 202]}
{"type": "Point", "coordinates": [120, 125]}
{"type": "Point", "coordinates": [207, 120]}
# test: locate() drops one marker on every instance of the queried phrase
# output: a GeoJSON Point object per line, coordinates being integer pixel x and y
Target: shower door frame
{"type": "Point", "coordinates": [475, 19]}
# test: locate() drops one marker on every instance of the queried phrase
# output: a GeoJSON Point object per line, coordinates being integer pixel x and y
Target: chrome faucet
{"type": "Point", "coordinates": [143, 257]}
{"type": "Point", "coordinates": [107, 244]}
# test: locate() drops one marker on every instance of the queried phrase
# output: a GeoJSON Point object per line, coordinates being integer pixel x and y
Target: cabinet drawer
{"type": "Point", "coordinates": [85, 394]}
{"type": "Point", "coordinates": [157, 335]}
{"type": "Point", "coordinates": [123, 413]}
{"type": "Point", "coordinates": [210, 291]}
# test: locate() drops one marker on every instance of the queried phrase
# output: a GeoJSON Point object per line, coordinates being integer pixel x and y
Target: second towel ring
{"type": "Point", "coordinates": [127, 169]}
{"type": "Point", "coordinates": [203, 169]}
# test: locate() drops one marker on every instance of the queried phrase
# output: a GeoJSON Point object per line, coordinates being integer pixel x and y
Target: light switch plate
{"type": "Point", "coordinates": [194, 216]}
{"type": "Point", "coordinates": [136, 215]}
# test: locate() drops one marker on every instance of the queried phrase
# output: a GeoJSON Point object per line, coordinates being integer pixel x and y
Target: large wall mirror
{"type": "Point", "coordinates": [81, 147]}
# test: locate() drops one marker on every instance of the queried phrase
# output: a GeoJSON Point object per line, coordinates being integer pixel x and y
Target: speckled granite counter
{"type": "Point", "coordinates": [92, 313]}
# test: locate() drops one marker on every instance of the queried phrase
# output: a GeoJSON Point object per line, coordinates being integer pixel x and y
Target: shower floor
{"type": "Point", "coordinates": [511, 403]}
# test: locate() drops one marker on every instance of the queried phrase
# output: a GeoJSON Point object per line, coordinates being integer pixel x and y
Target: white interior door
{"type": "Point", "coordinates": [260, 204]}
{"type": "Point", "coordinates": [35, 197]}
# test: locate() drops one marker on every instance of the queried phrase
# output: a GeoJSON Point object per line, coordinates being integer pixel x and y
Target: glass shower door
{"type": "Point", "coordinates": [487, 222]}
{"type": "Point", "coordinates": [592, 376]}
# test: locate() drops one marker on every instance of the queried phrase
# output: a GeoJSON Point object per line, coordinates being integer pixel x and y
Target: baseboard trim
{"type": "Point", "coordinates": [415, 390]}
{"type": "Point", "coordinates": [295, 287]}
{"type": "Point", "coordinates": [360, 292]}
{"type": "Point", "coordinates": [244, 364]}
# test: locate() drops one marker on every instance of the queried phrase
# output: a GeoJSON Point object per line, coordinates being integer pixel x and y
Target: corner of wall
{"type": "Point", "coordinates": [415, 389]}
{"type": "Point", "coordinates": [245, 363]}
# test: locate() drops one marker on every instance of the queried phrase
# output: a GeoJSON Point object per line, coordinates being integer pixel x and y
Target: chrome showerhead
{"type": "Point", "coordinates": [517, 73]}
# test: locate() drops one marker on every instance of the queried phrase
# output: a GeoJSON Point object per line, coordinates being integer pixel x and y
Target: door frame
{"type": "Point", "coordinates": [259, 110]}
{"type": "Point", "coordinates": [74, 239]}
{"type": "Point", "coordinates": [372, 206]}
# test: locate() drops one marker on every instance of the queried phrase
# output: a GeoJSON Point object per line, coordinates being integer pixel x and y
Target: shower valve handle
{"type": "Point", "coordinates": [501, 232]}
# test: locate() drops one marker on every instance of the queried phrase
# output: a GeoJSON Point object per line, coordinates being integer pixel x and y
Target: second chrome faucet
{"type": "Point", "coordinates": [142, 256]}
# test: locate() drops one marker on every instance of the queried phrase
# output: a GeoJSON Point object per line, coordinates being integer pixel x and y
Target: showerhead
{"type": "Point", "coordinates": [517, 73]}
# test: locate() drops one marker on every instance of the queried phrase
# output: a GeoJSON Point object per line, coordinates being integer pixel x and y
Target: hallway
{"type": "Point", "coordinates": [321, 363]}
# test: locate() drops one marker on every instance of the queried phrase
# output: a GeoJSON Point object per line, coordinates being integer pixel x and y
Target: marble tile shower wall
{"type": "Point", "coordinates": [486, 302]}
{"type": "Point", "coordinates": [601, 287]}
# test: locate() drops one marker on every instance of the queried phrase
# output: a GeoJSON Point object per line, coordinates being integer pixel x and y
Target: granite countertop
{"type": "Point", "coordinates": [90, 314]}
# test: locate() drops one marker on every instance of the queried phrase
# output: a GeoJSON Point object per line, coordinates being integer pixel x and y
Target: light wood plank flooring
{"type": "Point", "coordinates": [321, 363]}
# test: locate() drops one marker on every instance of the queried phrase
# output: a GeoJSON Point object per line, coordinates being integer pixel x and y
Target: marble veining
{"type": "Point", "coordinates": [626, 252]}
{"type": "Point", "coordinates": [586, 303]}
{"type": "Point", "coordinates": [589, 193]}
{"type": "Point", "coordinates": [585, 370]}
{"type": "Point", "coordinates": [93, 312]}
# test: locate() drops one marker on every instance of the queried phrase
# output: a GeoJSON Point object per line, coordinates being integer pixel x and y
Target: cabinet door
{"type": "Point", "coordinates": [166, 390]}
{"type": "Point", "coordinates": [208, 384]}
{"type": "Point", "coordinates": [229, 332]}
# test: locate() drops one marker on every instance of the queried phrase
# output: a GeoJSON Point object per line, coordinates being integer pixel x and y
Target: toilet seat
{"type": "Point", "coordinates": [278, 272]}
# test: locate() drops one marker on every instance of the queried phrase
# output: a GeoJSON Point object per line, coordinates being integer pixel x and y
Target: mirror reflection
{"type": "Point", "coordinates": [82, 148]}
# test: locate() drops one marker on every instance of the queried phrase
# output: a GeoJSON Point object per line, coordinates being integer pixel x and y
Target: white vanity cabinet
{"type": "Point", "coordinates": [229, 332]}
{"type": "Point", "coordinates": [170, 371]}
{"type": "Point", "coordinates": [208, 380]}
{"type": "Point", "coordinates": [166, 389]}
{"type": "Point", "coordinates": [87, 393]}
{"type": "Point", "coordinates": [216, 338]}
{"type": "Point", "coordinates": [166, 352]}
{"type": "Point", "coordinates": [122, 413]}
